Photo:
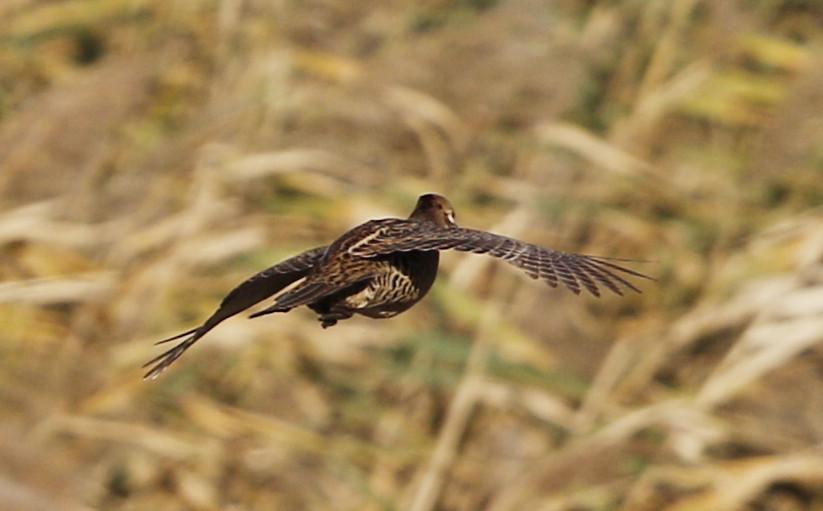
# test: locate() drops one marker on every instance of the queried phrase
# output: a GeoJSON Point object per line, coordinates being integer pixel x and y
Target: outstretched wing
{"type": "Point", "coordinates": [253, 290]}
{"type": "Point", "coordinates": [575, 271]}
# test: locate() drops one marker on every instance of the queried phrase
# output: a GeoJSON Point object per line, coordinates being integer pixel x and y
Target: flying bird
{"type": "Point", "coordinates": [382, 267]}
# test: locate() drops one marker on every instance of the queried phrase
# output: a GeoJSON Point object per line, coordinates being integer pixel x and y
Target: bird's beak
{"type": "Point", "coordinates": [450, 218]}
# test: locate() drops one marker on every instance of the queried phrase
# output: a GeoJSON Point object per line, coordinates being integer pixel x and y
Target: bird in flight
{"type": "Point", "coordinates": [382, 267]}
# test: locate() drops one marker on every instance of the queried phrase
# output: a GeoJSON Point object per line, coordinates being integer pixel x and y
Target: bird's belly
{"type": "Point", "coordinates": [404, 280]}
{"type": "Point", "coordinates": [386, 296]}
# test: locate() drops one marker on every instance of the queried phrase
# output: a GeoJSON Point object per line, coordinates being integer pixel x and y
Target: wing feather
{"type": "Point", "coordinates": [303, 294]}
{"type": "Point", "coordinates": [574, 271]}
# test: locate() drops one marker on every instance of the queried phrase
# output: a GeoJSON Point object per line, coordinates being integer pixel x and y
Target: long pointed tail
{"type": "Point", "coordinates": [165, 359]}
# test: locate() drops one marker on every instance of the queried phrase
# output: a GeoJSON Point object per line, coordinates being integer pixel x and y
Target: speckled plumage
{"type": "Point", "coordinates": [382, 267]}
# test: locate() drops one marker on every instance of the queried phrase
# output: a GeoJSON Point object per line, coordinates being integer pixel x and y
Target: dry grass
{"type": "Point", "coordinates": [154, 154]}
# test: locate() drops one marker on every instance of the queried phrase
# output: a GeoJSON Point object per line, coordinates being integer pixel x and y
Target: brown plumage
{"type": "Point", "coordinates": [382, 267]}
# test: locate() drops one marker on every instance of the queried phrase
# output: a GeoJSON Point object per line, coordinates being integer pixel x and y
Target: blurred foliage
{"type": "Point", "coordinates": [153, 154]}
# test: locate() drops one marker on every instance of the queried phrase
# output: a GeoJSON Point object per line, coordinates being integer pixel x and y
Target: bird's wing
{"type": "Point", "coordinates": [253, 290]}
{"type": "Point", "coordinates": [575, 271]}
{"type": "Point", "coordinates": [340, 274]}
{"type": "Point", "coordinates": [309, 292]}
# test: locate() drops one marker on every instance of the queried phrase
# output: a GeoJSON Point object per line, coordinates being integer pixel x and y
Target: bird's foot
{"type": "Point", "coordinates": [331, 317]}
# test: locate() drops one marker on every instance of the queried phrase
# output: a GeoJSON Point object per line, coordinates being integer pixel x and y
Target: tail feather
{"type": "Point", "coordinates": [165, 359]}
{"type": "Point", "coordinates": [178, 336]}
{"type": "Point", "coordinates": [253, 290]}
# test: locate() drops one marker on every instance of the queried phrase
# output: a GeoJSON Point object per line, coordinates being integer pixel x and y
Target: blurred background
{"type": "Point", "coordinates": [155, 153]}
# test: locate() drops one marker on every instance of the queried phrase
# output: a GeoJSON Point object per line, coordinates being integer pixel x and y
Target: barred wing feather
{"type": "Point", "coordinates": [575, 271]}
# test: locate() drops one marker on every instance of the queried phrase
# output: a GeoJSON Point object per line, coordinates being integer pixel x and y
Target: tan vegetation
{"type": "Point", "coordinates": [155, 153]}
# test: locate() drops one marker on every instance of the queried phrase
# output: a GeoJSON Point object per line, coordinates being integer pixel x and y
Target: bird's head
{"type": "Point", "coordinates": [436, 209]}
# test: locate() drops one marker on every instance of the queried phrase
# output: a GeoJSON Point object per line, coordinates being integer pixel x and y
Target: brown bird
{"type": "Point", "coordinates": [382, 267]}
